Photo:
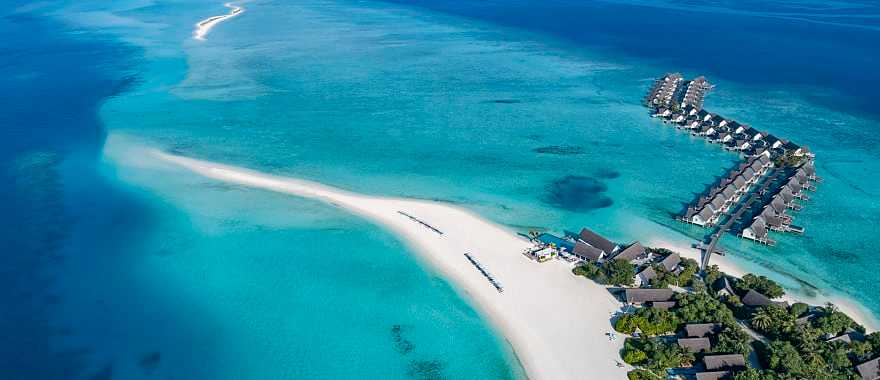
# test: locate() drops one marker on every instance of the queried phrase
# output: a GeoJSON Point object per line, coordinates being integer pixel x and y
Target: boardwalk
{"type": "Point", "coordinates": [716, 236]}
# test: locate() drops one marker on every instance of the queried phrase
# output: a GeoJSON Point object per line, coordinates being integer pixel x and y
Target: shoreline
{"type": "Point", "coordinates": [555, 322]}
{"type": "Point", "coordinates": [852, 308]}
{"type": "Point", "coordinates": [204, 27]}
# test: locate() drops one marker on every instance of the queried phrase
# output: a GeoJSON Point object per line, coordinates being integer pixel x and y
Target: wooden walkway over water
{"type": "Point", "coordinates": [709, 249]}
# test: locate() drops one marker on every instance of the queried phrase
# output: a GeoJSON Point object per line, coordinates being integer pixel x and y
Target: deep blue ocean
{"type": "Point", "coordinates": [527, 112]}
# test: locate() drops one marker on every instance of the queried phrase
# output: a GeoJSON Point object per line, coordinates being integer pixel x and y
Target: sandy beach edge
{"type": "Point", "coordinates": [554, 321]}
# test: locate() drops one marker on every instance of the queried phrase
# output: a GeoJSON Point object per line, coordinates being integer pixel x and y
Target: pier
{"type": "Point", "coordinates": [419, 221]}
{"type": "Point", "coordinates": [485, 272]}
{"type": "Point", "coordinates": [723, 229]}
{"type": "Point", "coordinates": [679, 102]}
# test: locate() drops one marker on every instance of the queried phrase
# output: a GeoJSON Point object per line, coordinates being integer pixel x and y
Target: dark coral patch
{"type": "Point", "coordinates": [401, 344]}
{"type": "Point", "coordinates": [150, 361]}
{"type": "Point", "coordinates": [607, 173]}
{"type": "Point", "coordinates": [578, 193]}
{"type": "Point", "coordinates": [425, 369]}
{"type": "Point", "coordinates": [560, 150]}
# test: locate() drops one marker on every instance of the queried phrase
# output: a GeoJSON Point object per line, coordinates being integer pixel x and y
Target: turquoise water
{"type": "Point", "coordinates": [166, 275]}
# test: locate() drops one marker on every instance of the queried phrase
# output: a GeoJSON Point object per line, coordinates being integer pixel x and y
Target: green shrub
{"type": "Point", "coordinates": [759, 284]}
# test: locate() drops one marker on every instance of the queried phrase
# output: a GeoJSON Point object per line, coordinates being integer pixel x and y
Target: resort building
{"type": "Point", "coordinates": [645, 276]}
{"type": "Point", "coordinates": [663, 92]}
{"type": "Point", "coordinates": [597, 241]}
{"type": "Point", "coordinates": [587, 252]}
{"type": "Point", "coordinates": [695, 344]}
{"type": "Point", "coordinates": [695, 92]}
{"type": "Point", "coordinates": [634, 253]}
{"type": "Point", "coordinates": [713, 375]}
{"type": "Point", "coordinates": [671, 262]}
{"type": "Point", "coordinates": [701, 330]}
{"type": "Point", "coordinates": [729, 361]}
{"type": "Point", "coordinates": [665, 305]}
{"type": "Point", "coordinates": [869, 370]}
{"type": "Point", "coordinates": [755, 299]}
{"type": "Point", "coordinates": [757, 231]}
{"type": "Point", "coordinates": [705, 217]}
{"type": "Point", "coordinates": [639, 296]}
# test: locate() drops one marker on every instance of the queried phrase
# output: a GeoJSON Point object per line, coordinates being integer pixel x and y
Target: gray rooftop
{"type": "Point", "coordinates": [637, 295]}
{"type": "Point", "coordinates": [596, 240]}
{"type": "Point", "coordinates": [671, 261]}
{"type": "Point", "coordinates": [587, 252]}
{"type": "Point", "coordinates": [713, 375]}
{"type": "Point", "coordinates": [700, 330]}
{"type": "Point", "coordinates": [634, 251]}
{"type": "Point", "coordinates": [869, 370]}
{"type": "Point", "coordinates": [753, 298]}
{"type": "Point", "coordinates": [695, 344]}
{"type": "Point", "coordinates": [714, 362]}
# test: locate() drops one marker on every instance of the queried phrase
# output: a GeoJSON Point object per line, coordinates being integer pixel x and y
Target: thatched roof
{"type": "Point", "coordinates": [713, 362]}
{"type": "Point", "coordinates": [636, 295]}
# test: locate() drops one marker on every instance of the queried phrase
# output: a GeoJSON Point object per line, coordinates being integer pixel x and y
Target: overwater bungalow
{"type": "Point", "coordinates": [664, 89]}
{"type": "Point", "coordinates": [718, 204]}
{"type": "Point", "coordinates": [778, 205]}
{"type": "Point", "coordinates": [772, 141]}
{"type": "Point", "coordinates": [695, 92]}
{"type": "Point", "coordinates": [772, 220]}
{"type": "Point", "coordinates": [730, 192]}
{"type": "Point", "coordinates": [705, 217]}
{"type": "Point", "coordinates": [739, 183]}
{"type": "Point", "coordinates": [749, 175]}
{"type": "Point", "coordinates": [704, 116]}
{"type": "Point", "coordinates": [757, 231]}
{"type": "Point", "coordinates": [741, 144]}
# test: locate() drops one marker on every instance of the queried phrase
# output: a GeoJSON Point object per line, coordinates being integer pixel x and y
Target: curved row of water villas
{"type": "Point", "coordinates": [773, 215]}
{"type": "Point", "coordinates": [662, 93]}
{"type": "Point", "coordinates": [709, 208]}
{"type": "Point", "coordinates": [730, 134]}
{"type": "Point", "coordinates": [672, 91]}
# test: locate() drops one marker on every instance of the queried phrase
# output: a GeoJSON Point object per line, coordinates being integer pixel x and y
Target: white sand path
{"type": "Point", "coordinates": [204, 27]}
{"type": "Point", "coordinates": [555, 322]}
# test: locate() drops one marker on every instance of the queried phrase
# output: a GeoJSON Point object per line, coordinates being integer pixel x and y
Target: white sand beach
{"type": "Point", "coordinates": [204, 27]}
{"type": "Point", "coordinates": [555, 322]}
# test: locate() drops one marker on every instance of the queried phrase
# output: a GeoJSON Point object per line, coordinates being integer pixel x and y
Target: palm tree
{"type": "Point", "coordinates": [762, 320]}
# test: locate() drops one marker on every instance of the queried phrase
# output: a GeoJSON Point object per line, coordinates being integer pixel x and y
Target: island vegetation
{"type": "Point", "coordinates": [773, 339]}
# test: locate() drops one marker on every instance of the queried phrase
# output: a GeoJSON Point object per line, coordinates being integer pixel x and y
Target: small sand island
{"type": "Point", "coordinates": [204, 27]}
{"type": "Point", "coordinates": [645, 313]}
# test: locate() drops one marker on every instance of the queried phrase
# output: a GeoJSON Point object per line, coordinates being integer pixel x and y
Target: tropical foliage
{"type": "Point", "coordinates": [613, 272]}
{"type": "Point", "coordinates": [759, 284]}
{"type": "Point", "coordinates": [649, 321]}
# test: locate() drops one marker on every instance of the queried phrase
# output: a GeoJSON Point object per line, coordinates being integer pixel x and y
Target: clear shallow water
{"type": "Point", "coordinates": [531, 130]}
